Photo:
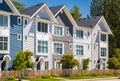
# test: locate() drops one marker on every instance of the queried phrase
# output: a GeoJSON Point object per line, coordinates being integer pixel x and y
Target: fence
{"type": "Point", "coordinates": [39, 73]}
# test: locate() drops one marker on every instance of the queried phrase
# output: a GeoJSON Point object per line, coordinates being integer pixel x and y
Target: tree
{"type": "Point", "coordinates": [68, 61]}
{"type": "Point", "coordinates": [85, 63]}
{"type": "Point", "coordinates": [75, 12]}
{"type": "Point", "coordinates": [109, 9]}
{"type": "Point", "coordinates": [23, 61]}
{"type": "Point", "coordinates": [18, 5]}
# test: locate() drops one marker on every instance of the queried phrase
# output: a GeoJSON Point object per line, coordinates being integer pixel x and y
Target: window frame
{"type": "Point", "coordinates": [19, 37]}
{"type": "Point", "coordinates": [19, 20]}
{"type": "Point", "coordinates": [47, 63]}
{"type": "Point", "coordinates": [67, 31]}
{"type": "Point", "coordinates": [62, 30]}
{"type": "Point", "coordinates": [4, 43]}
{"type": "Point", "coordinates": [46, 46]}
{"type": "Point", "coordinates": [80, 36]}
{"type": "Point", "coordinates": [76, 49]}
{"type": "Point", "coordinates": [42, 31]}
{"type": "Point", "coordinates": [103, 50]}
{"type": "Point", "coordinates": [3, 21]}
{"type": "Point", "coordinates": [56, 51]}
{"type": "Point", "coordinates": [102, 36]}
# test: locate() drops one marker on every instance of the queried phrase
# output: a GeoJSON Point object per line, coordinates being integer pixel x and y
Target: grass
{"type": "Point", "coordinates": [43, 79]}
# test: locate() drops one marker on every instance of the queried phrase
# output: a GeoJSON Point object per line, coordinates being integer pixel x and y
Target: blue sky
{"type": "Point", "coordinates": [84, 5]}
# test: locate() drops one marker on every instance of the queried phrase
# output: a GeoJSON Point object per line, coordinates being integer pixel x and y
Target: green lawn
{"type": "Point", "coordinates": [42, 79]}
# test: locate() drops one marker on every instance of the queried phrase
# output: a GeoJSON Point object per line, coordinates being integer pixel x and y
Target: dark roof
{"type": "Point", "coordinates": [31, 10]}
{"type": "Point", "coordinates": [88, 22]}
{"type": "Point", "coordinates": [55, 9]}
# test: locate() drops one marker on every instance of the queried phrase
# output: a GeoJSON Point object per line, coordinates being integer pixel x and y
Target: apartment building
{"type": "Point", "coordinates": [50, 32]}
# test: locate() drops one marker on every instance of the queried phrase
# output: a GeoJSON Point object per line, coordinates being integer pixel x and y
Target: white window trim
{"type": "Point", "coordinates": [71, 46]}
{"type": "Point", "coordinates": [18, 37]}
{"type": "Point", "coordinates": [25, 37]}
{"type": "Point", "coordinates": [62, 30]}
{"type": "Point", "coordinates": [24, 21]}
{"type": "Point", "coordinates": [105, 35]}
{"type": "Point", "coordinates": [8, 16]}
{"type": "Point", "coordinates": [76, 35]}
{"type": "Point", "coordinates": [62, 47]}
{"type": "Point", "coordinates": [20, 21]}
{"type": "Point", "coordinates": [37, 27]}
{"type": "Point", "coordinates": [75, 50]}
{"type": "Point", "coordinates": [106, 52]}
{"type": "Point", "coordinates": [56, 64]}
{"type": "Point", "coordinates": [38, 53]}
{"type": "Point", "coordinates": [67, 31]}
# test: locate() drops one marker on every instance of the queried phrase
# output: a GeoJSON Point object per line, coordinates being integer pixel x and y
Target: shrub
{"type": "Point", "coordinates": [79, 75]}
{"type": "Point", "coordinates": [55, 75]}
{"type": "Point", "coordinates": [24, 77]}
{"type": "Point", "coordinates": [11, 78]}
{"type": "Point", "coordinates": [45, 76]}
{"type": "Point", "coordinates": [85, 74]}
{"type": "Point", "coordinates": [96, 74]}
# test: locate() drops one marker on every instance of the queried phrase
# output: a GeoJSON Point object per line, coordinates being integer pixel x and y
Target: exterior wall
{"type": "Point", "coordinates": [5, 7]}
{"type": "Point", "coordinates": [65, 39]}
{"type": "Point", "coordinates": [86, 43]}
{"type": "Point", "coordinates": [15, 44]}
{"type": "Point", "coordinates": [96, 48]}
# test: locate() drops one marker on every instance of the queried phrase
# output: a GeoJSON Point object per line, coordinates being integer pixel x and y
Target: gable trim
{"type": "Point", "coordinates": [68, 15]}
{"type": "Point", "coordinates": [12, 7]}
{"type": "Point", "coordinates": [50, 15]}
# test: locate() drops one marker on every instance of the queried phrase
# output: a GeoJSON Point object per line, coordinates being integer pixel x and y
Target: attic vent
{"type": "Point", "coordinates": [1, 1]}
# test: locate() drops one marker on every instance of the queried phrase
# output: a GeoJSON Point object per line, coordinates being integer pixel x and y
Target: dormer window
{"type": "Point", "coordinates": [42, 27]}
{"type": "Point", "coordinates": [3, 21]}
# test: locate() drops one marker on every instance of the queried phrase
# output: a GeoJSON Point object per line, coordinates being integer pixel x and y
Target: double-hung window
{"type": "Point", "coordinates": [79, 34]}
{"type": "Point", "coordinates": [103, 37]}
{"type": "Point", "coordinates": [58, 48]}
{"type": "Point", "coordinates": [3, 43]}
{"type": "Point", "coordinates": [42, 46]}
{"type": "Point", "coordinates": [103, 52]}
{"type": "Point", "coordinates": [58, 31]}
{"type": "Point", "coordinates": [79, 50]}
{"type": "Point", "coordinates": [42, 27]}
{"type": "Point", "coordinates": [3, 21]}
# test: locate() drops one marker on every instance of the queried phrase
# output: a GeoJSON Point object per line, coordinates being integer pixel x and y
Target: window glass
{"type": "Point", "coordinates": [79, 50]}
{"type": "Point", "coordinates": [58, 48]}
{"type": "Point", "coordinates": [79, 34]}
{"type": "Point", "coordinates": [103, 37]}
{"type": "Point", "coordinates": [4, 43]}
{"type": "Point", "coordinates": [58, 31]}
{"type": "Point", "coordinates": [42, 27]}
{"type": "Point", "coordinates": [103, 52]}
{"type": "Point", "coordinates": [42, 46]}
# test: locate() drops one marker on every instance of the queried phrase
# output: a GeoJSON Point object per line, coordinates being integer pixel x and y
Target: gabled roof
{"type": "Point", "coordinates": [31, 10]}
{"type": "Point", "coordinates": [12, 7]}
{"type": "Point", "coordinates": [57, 9]}
{"type": "Point", "coordinates": [88, 22]}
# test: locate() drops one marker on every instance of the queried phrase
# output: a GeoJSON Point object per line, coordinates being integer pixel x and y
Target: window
{"type": "Point", "coordinates": [58, 31]}
{"type": "Point", "coordinates": [58, 65]}
{"type": "Point", "coordinates": [46, 65]}
{"type": "Point", "coordinates": [103, 37]}
{"type": "Point", "coordinates": [3, 21]}
{"type": "Point", "coordinates": [4, 43]}
{"type": "Point", "coordinates": [26, 21]}
{"type": "Point", "coordinates": [25, 37]}
{"type": "Point", "coordinates": [103, 52]}
{"type": "Point", "coordinates": [42, 46]}
{"type": "Point", "coordinates": [19, 37]}
{"type": "Point", "coordinates": [79, 50]}
{"type": "Point", "coordinates": [19, 21]}
{"type": "Point", "coordinates": [70, 45]}
{"type": "Point", "coordinates": [42, 27]}
{"type": "Point", "coordinates": [79, 34]}
{"type": "Point", "coordinates": [58, 48]}
{"type": "Point", "coordinates": [88, 34]}
{"type": "Point", "coordinates": [1, 1]}
{"type": "Point", "coordinates": [67, 31]}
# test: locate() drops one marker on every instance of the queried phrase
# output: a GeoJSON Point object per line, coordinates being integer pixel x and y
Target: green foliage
{"type": "Point", "coordinates": [113, 63]}
{"type": "Point", "coordinates": [68, 61]}
{"type": "Point", "coordinates": [23, 60]}
{"type": "Point", "coordinates": [45, 76]}
{"type": "Point", "coordinates": [24, 77]}
{"type": "Point", "coordinates": [109, 9]}
{"type": "Point", "coordinates": [45, 79]}
{"type": "Point", "coordinates": [18, 5]}
{"type": "Point", "coordinates": [96, 74]}
{"type": "Point", "coordinates": [75, 12]}
{"type": "Point", "coordinates": [11, 78]}
{"type": "Point", "coordinates": [78, 75]}
{"type": "Point", "coordinates": [55, 75]}
{"type": "Point", "coordinates": [85, 63]}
